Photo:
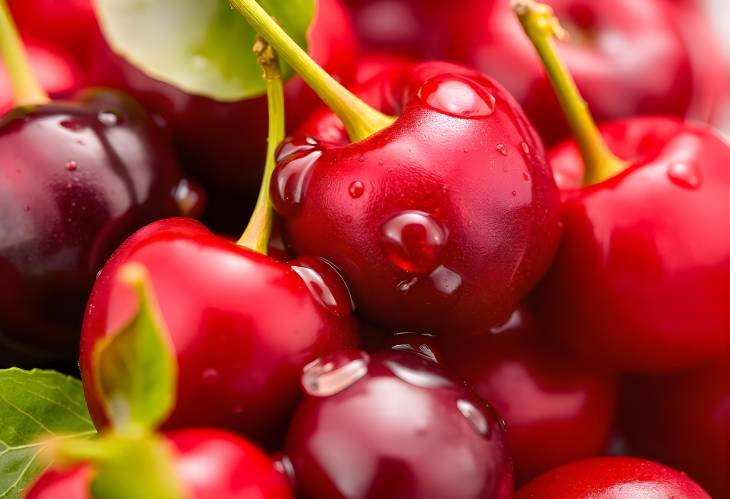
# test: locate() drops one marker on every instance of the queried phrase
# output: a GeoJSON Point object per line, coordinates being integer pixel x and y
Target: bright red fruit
{"type": "Point", "coordinates": [684, 420]}
{"type": "Point", "coordinates": [67, 24]}
{"type": "Point", "coordinates": [78, 178]}
{"type": "Point", "coordinates": [210, 464]}
{"type": "Point", "coordinates": [612, 478]}
{"type": "Point", "coordinates": [627, 57]}
{"type": "Point", "coordinates": [243, 325]}
{"type": "Point", "coordinates": [643, 271]}
{"type": "Point", "coordinates": [394, 425]}
{"type": "Point", "coordinates": [556, 409]}
{"type": "Point", "coordinates": [443, 220]}
{"type": "Point", "coordinates": [56, 71]}
{"type": "Point", "coordinates": [209, 133]}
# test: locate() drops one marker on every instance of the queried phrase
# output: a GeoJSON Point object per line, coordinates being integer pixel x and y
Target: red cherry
{"type": "Point", "coordinates": [556, 410]}
{"type": "Point", "coordinates": [57, 73]}
{"type": "Point", "coordinates": [66, 24]}
{"type": "Point", "coordinates": [393, 425]}
{"type": "Point", "coordinates": [627, 57]}
{"type": "Point", "coordinates": [684, 420]}
{"type": "Point", "coordinates": [78, 178]}
{"type": "Point", "coordinates": [635, 244]}
{"type": "Point", "coordinates": [612, 478]}
{"type": "Point", "coordinates": [210, 464]}
{"type": "Point", "coordinates": [440, 222]}
{"type": "Point", "coordinates": [242, 324]}
{"type": "Point", "coordinates": [208, 133]}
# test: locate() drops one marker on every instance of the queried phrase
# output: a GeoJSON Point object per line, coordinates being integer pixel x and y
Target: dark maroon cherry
{"type": "Point", "coordinates": [556, 409]}
{"type": "Point", "coordinates": [394, 425]}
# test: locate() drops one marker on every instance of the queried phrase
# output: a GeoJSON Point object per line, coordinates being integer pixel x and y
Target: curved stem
{"type": "Point", "coordinates": [360, 119]}
{"type": "Point", "coordinates": [541, 26]}
{"type": "Point", "coordinates": [26, 89]}
{"type": "Point", "coordinates": [257, 233]}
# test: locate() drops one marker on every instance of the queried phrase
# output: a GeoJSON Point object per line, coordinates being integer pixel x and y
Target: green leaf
{"type": "Point", "coordinates": [35, 405]}
{"type": "Point", "coordinates": [136, 368]}
{"type": "Point", "coordinates": [203, 47]}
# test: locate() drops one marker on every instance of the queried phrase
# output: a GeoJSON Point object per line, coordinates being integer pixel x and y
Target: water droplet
{"type": "Point", "coordinates": [407, 284]}
{"type": "Point", "coordinates": [73, 125]}
{"type": "Point", "coordinates": [413, 241]}
{"type": "Point", "coordinates": [514, 193]}
{"type": "Point", "coordinates": [356, 189]}
{"type": "Point", "coordinates": [525, 147]}
{"type": "Point", "coordinates": [417, 371]}
{"type": "Point", "coordinates": [476, 418]}
{"type": "Point", "coordinates": [446, 281]}
{"type": "Point", "coordinates": [188, 197]}
{"type": "Point", "coordinates": [290, 180]}
{"type": "Point", "coordinates": [334, 373]}
{"type": "Point", "coordinates": [525, 176]}
{"type": "Point", "coordinates": [295, 145]}
{"type": "Point", "coordinates": [502, 149]}
{"type": "Point", "coordinates": [72, 166]}
{"type": "Point", "coordinates": [325, 284]}
{"type": "Point", "coordinates": [211, 376]}
{"type": "Point", "coordinates": [283, 465]}
{"type": "Point", "coordinates": [685, 175]}
{"type": "Point", "coordinates": [108, 118]}
{"type": "Point", "coordinates": [458, 96]}
{"type": "Point", "coordinates": [423, 350]}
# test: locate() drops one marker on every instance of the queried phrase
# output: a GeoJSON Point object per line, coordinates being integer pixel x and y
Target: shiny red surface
{"type": "Point", "coordinates": [403, 429]}
{"type": "Point", "coordinates": [67, 24]}
{"type": "Point", "coordinates": [77, 179]}
{"type": "Point", "coordinates": [56, 71]}
{"type": "Point", "coordinates": [628, 57]}
{"type": "Point", "coordinates": [684, 420]}
{"type": "Point", "coordinates": [442, 221]}
{"type": "Point", "coordinates": [224, 144]}
{"type": "Point", "coordinates": [211, 464]}
{"type": "Point", "coordinates": [642, 276]}
{"type": "Point", "coordinates": [612, 478]}
{"type": "Point", "coordinates": [242, 325]}
{"type": "Point", "coordinates": [556, 409]}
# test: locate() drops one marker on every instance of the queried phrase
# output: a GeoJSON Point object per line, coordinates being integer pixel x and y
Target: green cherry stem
{"type": "Point", "coordinates": [541, 26]}
{"type": "Point", "coordinates": [360, 119]}
{"type": "Point", "coordinates": [26, 89]}
{"type": "Point", "coordinates": [258, 232]}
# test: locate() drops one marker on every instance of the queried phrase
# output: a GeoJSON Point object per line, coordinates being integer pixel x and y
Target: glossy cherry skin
{"type": "Point", "coordinates": [612, 478]}
{"type": "Point", "coordinates": [394, 425]}
{"type": "Point", "coordinates": [440, 222]}
{"type": "Point", "coordinates": [56, 71]}
{"type": "Point", "coordinates": [210, 464]}
{"type": "Point", "coordinates": [223, 144]}
{"type": "Point", "coordinates": [556, 410]}
{"type": "Point", "coordinates": [684, 420]}
{"type": "Point", "coordinates": [242, 324]}
{"type": "Point", "coordinates": [643, 269]}
{"type": "Point", "coordinates": [78, 178]}
{"type": "Point", "coordinates": [66, 24]}
{"type": "Point", "coordinates": [627, 58]}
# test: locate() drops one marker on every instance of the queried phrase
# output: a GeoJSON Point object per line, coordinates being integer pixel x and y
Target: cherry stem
{"type": "Point", "coordinates": [258, 232]}
{"type": "Point", "coordinates": [360, 119]}
{"type": "Point", "coordinates": [26, 89]}
{"type": "Point", "coordinates": [542, 26]}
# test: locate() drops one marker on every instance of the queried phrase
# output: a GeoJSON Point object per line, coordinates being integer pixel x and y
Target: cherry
{"type": "Point", "coordinates": [556, 409]}
{"type": "Point", "coordinates": [612, 478]}
{"type": "Point", "coordinates": [242, 325]}
{"type": "Point", "coordinates": [210, 464]}
{"type": "Point", "coordinates": [684, 420]}
{"type": "Point", "coordinates": [393, 425]}
{"type": "Point", "coordinates": [646, 227]}
{"type": "Point", "coordinates": [78, 177]}
{"type": "Point", "coordinates": [627, 58]}
{"type": "Point", "coordinates": [67, 24]}
{"type": "Point", "coordinates": [441, 219]}
{"type": "Point", "coordinates": [209, 133]}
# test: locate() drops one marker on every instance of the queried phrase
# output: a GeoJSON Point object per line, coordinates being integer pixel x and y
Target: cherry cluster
{"type": "Point", "coordinates": [505, 275]}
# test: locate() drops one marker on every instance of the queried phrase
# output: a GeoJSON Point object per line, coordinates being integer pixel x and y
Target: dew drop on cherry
{"type": "Point", "coordinates": [72, 166]}
{"type": "Point", "coordinates": [73, 125]}
{"type": "Point", "coordinates": [291, 178]}
{"type": "Point", "coordinates": [685, 175]}
{"type": "Point", "coordinates": [502, 149]}
{"type": "Point", "coordinates": [476, 418]}
{"type": "Point", "coordinates": [446, 281]}
{"type": "Point", "coordinates": [422, 350]}
{"type": "Point", "coordinates": [356, 189]}
{"type": "Point", "coordinates": [325, 284]}
{"type": "Point", "coordinates": [108, 118]}
{"type": "Point", "coordinates": [295, 145]}
{"type": "Point", "coordinates": [457, 96]}
{"type": "Point", "coordinates": [525, 176]}
{"type": "Point", "coordinates": [413, 241]}
{"type": "Point", "coordinates": [189, 198]}
{"type": "Point", "coordinates": [525, 147]}
{"type": "Point", "coordinates": [407, 284]}
{"type": "Point", "coordinates": [417, 371]}
{"type": "Point", "coordinates": [334, 373]}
